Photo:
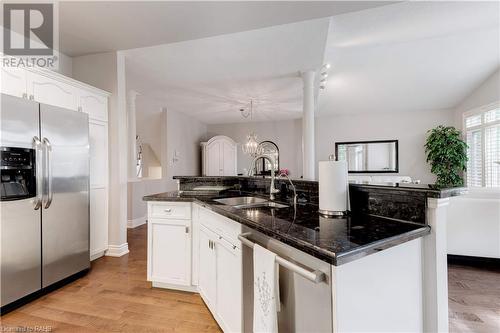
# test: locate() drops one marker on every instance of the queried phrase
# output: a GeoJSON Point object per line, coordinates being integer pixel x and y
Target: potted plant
{"type": "Point", "coordinates": [447, 155]}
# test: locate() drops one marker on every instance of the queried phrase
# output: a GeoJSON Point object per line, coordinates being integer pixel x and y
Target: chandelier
{"type": "Point", "coordinates": [251, 147]}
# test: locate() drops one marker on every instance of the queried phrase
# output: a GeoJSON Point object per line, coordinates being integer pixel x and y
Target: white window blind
{"type": "Point", "coordinates": [483, 139]}
{"type": "Point", "coordinates": [475, 162]}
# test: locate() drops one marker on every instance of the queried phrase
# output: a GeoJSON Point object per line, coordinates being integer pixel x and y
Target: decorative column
{"type": "Point", "coordinates": [118, 159]}
{"type": "Point", "coordinates": [435, 268]}
{"type": "Point", "coordinates": [308, 148]}
{"type": "Point", "coordinates": [132, 132]}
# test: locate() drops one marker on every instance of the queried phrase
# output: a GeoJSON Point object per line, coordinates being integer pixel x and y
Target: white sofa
{"type": "Point", "coordinates": [474, 224]}
{"type": "Point", "coordinates": [380, 179]}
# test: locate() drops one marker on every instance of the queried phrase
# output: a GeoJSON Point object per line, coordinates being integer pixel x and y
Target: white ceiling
{"type": "Point", "coordinates": [410, 56]}
{"type": "Point", "coordinates": [212, 78]}
{"type": "Point", "coordinates": [98, 26]}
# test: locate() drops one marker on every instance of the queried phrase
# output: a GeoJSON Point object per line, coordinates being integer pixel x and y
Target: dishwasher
{"type": "Point", "coordinates": [306, 306]}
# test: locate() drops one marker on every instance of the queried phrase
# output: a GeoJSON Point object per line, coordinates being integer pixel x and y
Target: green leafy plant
{"type": "Point", "coordinates": [447, 155]}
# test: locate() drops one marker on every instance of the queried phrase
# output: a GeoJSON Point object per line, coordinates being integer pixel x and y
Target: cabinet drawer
{"type": "Point", "coordinates": [221, 225]}
{"type": "Point", "coordinates": [170, 210]}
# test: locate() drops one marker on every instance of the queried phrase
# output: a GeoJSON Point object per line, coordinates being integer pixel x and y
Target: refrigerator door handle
{"type": "Point", "coordinates": [48, 172]}
{"type": "Point", "coordinates": [37, 145]}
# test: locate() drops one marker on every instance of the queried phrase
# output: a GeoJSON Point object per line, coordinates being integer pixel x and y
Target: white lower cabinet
{"type": "Point", "coordinates": [229, 286]}
{"type": "Point", "coordinates": [211, 251]}
{"type": "Point", "coordinates": [169, 245]}
{"type": "Point", "coordinates": [207, 283]}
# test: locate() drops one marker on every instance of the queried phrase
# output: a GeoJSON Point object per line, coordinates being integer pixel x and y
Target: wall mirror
{"type": "Point", "coordinates": [369, 156]}
{"type": "Point", "coordinates": [263, 166]}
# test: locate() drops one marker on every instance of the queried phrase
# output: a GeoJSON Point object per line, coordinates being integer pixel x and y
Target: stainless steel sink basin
{"type": "Point", "coordinates": [249, 202]}
{"type": "Point", "coordinates": [238, 201]}
{"type": "Point", "coordinates": [268, 204]}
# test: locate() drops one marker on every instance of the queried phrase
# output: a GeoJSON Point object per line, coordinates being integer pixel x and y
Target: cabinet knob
{"type": "Point", "coordinates": [25, 95]}
{"type": "Point", "coordinates": [32, 97]}
{"type": "Point", "coordinates": [187, 230]}
{"type": "Point", "coordinates": [168, 210]}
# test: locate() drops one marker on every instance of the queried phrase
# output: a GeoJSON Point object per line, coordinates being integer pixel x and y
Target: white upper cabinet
{"type": "Point", "coordinates": [47, 90]}
{"type": "Point", "coordinates": [219, 156]}
{"type": "Point", "coordinates": [96, 106]}
{"type": "Point", "coordinates": [14, 82]}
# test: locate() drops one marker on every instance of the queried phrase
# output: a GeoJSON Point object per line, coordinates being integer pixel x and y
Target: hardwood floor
{"type": "Point", "coordinates": [474, 299]}
{"type": "Point", "coordinates": [115, 297]}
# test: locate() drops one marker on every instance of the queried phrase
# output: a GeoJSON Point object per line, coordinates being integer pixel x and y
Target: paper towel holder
{"type": "Point", "coordinates": [330, 213]}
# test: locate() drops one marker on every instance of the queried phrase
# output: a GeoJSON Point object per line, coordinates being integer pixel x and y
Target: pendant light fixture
{"type": "Point", "coordinates": [251, 147]}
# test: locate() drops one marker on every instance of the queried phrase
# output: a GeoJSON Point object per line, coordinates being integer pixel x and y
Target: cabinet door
{"type": "Point", "coordinates": [229, 286]}
{"type": "Point", "coordinates": [98, 140]}
{"type": "Point", "coordinates": [14, 81]}
{"type": "Point", "coordinates": [214, 159]}
{"type": "Point", "coordinates": [207, 273]}
{"type": "Point", "coordinates": [95, 105]}
{"type": "Point", "coordinates": [98, 222]}
{"type": "Point", "coordinates": [195, 226]}
{"type": "Point", "coordinates": [229, 159]}
{"type": "Point", "coordinates": [50, 91]}
{"type": "Point", "coordinates": [170, 251]}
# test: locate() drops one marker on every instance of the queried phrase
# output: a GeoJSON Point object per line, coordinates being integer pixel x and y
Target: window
{"type": "Point", "coordinates": [483, 138]}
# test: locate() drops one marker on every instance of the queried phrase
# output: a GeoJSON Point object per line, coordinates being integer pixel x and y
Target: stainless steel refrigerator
{"type": "Point", "coordinates": [44, 208]}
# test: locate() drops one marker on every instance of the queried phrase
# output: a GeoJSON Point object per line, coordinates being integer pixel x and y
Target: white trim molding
{"type": "Point", "coordinates": [97, 254]}
{"type": "Point", "coordinates": [134, 223]}
{"type": "Point", "coordinates": [435, 267]}
{"type": "Point", "coordinates": [117, 250]}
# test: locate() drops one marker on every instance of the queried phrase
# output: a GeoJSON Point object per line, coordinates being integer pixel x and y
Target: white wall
{"type": "Point", "coordinates": [65, 65]}
{"type": "Point", "coordinates": [287, 134]}
{"type": "Point", "coordinates": [408, 127]}
{"type": "Point", "coordinates": [487, 93]}
{"type": "Point", "coordinates": [106, 71]}
{"type": "Point", "coordinates": [166, 131]}
{"type": "Point", "coordinates": [184, 134]}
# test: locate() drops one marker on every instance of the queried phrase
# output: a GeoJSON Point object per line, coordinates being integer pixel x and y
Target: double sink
{"type": "Point", "coordinates": [249, 202]}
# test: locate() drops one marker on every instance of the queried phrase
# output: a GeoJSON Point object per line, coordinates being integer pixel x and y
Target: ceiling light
{"type": "Point", "coordinates": [251, 147]}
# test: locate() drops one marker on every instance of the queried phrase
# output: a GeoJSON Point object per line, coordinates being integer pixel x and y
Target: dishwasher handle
{"type": "Point", "coordinates": [314, 276]}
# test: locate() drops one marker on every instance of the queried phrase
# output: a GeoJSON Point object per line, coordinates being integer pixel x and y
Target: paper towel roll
{"type": "Point", "coordinates": [333, 187]}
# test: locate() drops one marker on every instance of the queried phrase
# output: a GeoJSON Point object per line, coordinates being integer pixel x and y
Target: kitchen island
{"type": "Point", "coordinates": [364, 272]}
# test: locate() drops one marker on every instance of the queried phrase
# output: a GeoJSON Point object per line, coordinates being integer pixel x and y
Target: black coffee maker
{"type": "Point", "coordinates": [18, 173]}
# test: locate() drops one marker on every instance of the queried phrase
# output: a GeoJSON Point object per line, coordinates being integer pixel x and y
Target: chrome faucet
{"type": "Point", "coordinates": [272, 190]}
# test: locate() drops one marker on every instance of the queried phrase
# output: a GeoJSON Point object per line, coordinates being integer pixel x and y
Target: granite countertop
{"type": "Point", "coordinates": [430, 190]}
{"type": "Point", "coordinates": [334, 240]}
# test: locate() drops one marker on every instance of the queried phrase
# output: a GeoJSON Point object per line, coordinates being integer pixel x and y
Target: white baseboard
{"type": "Point", "coordinates": [134, 223]}
{"type": "Point", "coordinates": [117, 250]}
{"type": "Point", "coordinates": [97, 254]}
{"type": "Point", "coordinates": [156, 284]}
